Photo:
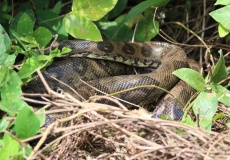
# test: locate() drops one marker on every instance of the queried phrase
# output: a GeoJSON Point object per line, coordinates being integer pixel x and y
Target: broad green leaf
{"type": "Point", "coordinates": [11, 93]}
{"type": "Point", "coordinates": [25, 25]}
{"type": "Point", "coordinates": [30, 40]}
{"type": "Point", "coordinates": [131, 21]}
{"type": "Point", "coordinates": [57, 8]}
{"type": "Point", "coordinates": [4, 75]}
{"type": "Point", "coordinates": [81, 27]}
{"type": "Point", "coordinates": [222, 2]}
{"type": "Point", "coordinates": [93, 9]}
{"type": "Point", "coordinates": [29, 67]}
{"type": "Point", "coordinates": [222, 16]}
{"type": "Point", "coordinates": [10, 148]}
{"type": "Point", "coordinates": [108, 28]}
{"type": "Point", "coordinates": [206, 106]}
{"type": "Point", "coordinates": [41, 117]}
{"type": "Point", "coordinates": [191, 77]}
{"type": "Point", "coordinates": [222, 94]}
{"type": "Point", "coordinates": [10, 60]}
{"type": "Point", "coordinates": [14, 24]}
{"type": "Point", "coordinates": [4, 123]}
{"type": "Point", "coordinates": [5, 44]}
{"type": "Point", "coordinates": [222, 31]}
{"type": "Point", "coordinates": [42, 36]}
{"type": "Point", "coordinates": [140, 8]}
{"type": "Point", "coordinates": [27, 123]}
{"type": "Point", "coordinates": [206, 123]}
{"type": "Point", "coordinates": [220, 71]}
{"type": "Point", "coordinates": [3, 108]}
{"type": "Point", "coordinates": [147, 28]}
{"type": "Point", "coordinates": [53, 22]}
{"type": "Point", "coordinates": [4, 153]}
{"type": "Point", "coordinates": [117, 10]}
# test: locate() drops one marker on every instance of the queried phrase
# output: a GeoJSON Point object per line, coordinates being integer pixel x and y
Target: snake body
{"type": "Point", "coordinates": [107, 66]}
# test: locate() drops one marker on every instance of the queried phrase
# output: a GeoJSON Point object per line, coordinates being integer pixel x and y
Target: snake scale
{"type": "Point", "coordinates": [108, 66]}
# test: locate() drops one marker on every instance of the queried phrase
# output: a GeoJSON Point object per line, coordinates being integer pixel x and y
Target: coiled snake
{"type": "Point", "coordinates": [110, 77]}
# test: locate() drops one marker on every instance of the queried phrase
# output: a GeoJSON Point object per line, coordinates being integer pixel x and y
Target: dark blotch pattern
{"type": "Point", "coordinates": [146, 50]}
{"type": "Point", "coordinates": [105, 47]}
{"type": "Point", "coordinates": [128, 49]}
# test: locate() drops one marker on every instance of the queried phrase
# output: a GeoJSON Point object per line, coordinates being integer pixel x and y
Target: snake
{"type": "Point", "coordinates": [131, 71]}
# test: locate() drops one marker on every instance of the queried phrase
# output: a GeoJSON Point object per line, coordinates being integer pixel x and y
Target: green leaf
{"type": "Point", "coordinates": [131, 21]}
{"type": "Point", "coordinates": [18, 36]}
{"type": "Point", "coordinates": [5, 44]}
{"type": "Point", "coordinates": [48, 59]}
{"type": "Point", "coordinates": [10, 60]}
{"type": "Point", "coordinates": [10, 148]}
{"type": "Point", "coordinates": [53, 22]}
{"type": "Point", "coordinates": [41, 4]}
{"type": "Point", "coordinates": [11, 93]}
{"type": "Point", "coordinates": [206, 106]}
{"type": "Point", "coordinates": [220, 71]}
{"type": "Point", "coordinates": [42, 36]}
{"type": "Point", "coordinates": [188, 120]}
{"type": "Point", "coordinates": [29, 67]}
{"type": "Point", "coordinates": [41, 117]}
{"type": "Point", "coordinates": [117, 10]}
{"type": "Point", "coordinates": [220, 115]}
{"type": "Point", "coordinates": [140, 8]}
{"type": "Point", "coordinates": [222, 94]}
{"type": "Point", "coordinates": [222, 31]}
{"type": "Point", "coordinates": [29, 39]}
{"type": "Point", "coordinates": [108, 28]}
{"type": "Point", "coordinates": [81, 27]}
{"type": "Point", "coordinates": [222, 16]}
{"type": "Point", "coordinates": [191, 77]}
{"type": "Point", "coordinates": [14, 24]}
{"type": "Point", "coordinates": [222, 2]}
{"type": "Point", "coordinates": [27, 123]}
{"type": "Point", "coordinates": [93, 9]}
{"type": "Point", "coordinates": [57, 8]}
{"type": "Point", "coordinates": [25, 25]}
{"type": "Point", "coordinates": [4, 123]}
{"type": "Point", "coordinates": [4, 75]}
{"type": "Point", "coordinates": [147, 28]}
{"type": "Point", "coordinates": [3, 108]}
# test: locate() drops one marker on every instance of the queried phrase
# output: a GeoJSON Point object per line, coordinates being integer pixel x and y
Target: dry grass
{"type": "Point", "coordinates": [99, 131]}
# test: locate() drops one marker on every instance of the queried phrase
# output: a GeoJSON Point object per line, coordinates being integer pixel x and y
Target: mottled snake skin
{"type": "Point", "coordinates": [110, 77]}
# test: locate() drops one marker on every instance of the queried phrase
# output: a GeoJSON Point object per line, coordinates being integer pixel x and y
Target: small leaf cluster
{"type": "Point", "coordinates": [24, 39]}
{"type": "Point", "coordinates": [222, 15]}
{"type": "Point", "coordinates": [210, 93]}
